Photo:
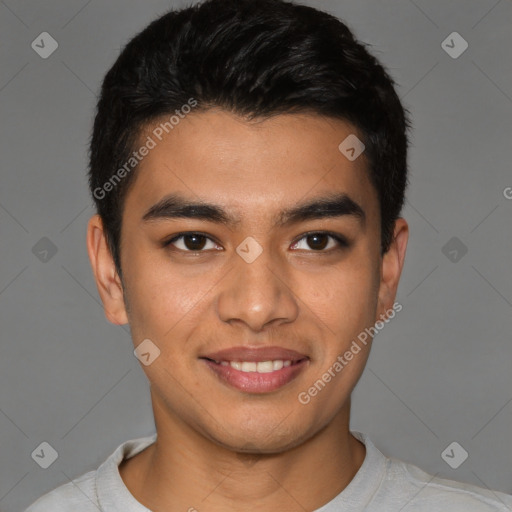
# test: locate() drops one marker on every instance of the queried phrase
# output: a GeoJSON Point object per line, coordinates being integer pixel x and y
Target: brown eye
{"type": "Point", "coordinates": [191, 242]}
{"type": "Point", "coordinates": [194, 242]}
{"type": "Point", "coordinates": [320, 242]}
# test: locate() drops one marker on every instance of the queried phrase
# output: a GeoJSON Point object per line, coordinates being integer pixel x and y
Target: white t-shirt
{"type": "Point", "coordinates": [382, 484]}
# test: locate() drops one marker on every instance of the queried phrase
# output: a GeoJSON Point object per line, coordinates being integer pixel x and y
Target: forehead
{"type": "Point", "coordinates": [250, 167]}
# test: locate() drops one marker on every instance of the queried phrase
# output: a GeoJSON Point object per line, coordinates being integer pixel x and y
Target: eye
{"type": "Point", "coordinates": [320, 242]}
{"type": "Point", "coordinates": [192, 242]}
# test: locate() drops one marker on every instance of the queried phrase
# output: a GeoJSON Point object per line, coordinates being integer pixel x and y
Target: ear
{"type": "Point", "coordinates": [391, 267]}
{"type": "Point", "coordinates": [107, 279]}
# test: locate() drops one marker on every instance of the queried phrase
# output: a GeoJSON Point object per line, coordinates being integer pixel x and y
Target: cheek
{"type": "Point", "coordinates": [158, 298]}
{"type": "Point", "coordinates": [345, 299]}
{"type": "Point", "coordinates": [161, 303]}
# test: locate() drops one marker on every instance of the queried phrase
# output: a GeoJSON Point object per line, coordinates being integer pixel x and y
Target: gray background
{"type": "Point", "coordinates": [438, 373]}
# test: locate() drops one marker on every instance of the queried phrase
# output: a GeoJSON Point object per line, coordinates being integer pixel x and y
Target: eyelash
{"type": "Point", "coordinates": [341, 241]}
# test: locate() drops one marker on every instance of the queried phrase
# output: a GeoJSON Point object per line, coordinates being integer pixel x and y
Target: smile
{"type": "Point", "coordinates": [256, 376]}
{"type": "Point", "coordinates": [260, 367]}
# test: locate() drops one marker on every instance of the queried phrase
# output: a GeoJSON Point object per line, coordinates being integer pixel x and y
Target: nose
{"type": "Point", "coordinates": [257, 294]}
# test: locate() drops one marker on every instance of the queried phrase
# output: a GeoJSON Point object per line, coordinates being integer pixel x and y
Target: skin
{"type": "Point", "coordinates": [218, 448]}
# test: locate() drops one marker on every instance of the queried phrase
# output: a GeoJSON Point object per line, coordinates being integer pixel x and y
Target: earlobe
{"type": "Point", "coordinates": [107, 279]}
{"type": "Point", "coordinates": [391, 267]}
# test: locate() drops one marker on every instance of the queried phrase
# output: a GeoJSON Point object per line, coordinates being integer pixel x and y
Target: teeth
{"type": "Point", "coordinates": [261, 367]}
{"type": "Point", "coordinates": [249, 367]}
{"type": "Point", "coordinates": [277, 365]}
{"type": "Point", "coordinates": [265, 367]}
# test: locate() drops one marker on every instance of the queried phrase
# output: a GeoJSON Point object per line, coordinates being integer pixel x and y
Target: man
{"type": "Point", "coordinates": [248, 165]}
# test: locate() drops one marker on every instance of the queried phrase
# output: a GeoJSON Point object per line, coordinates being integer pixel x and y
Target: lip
{"type": "Point", "coordinates": [254, 382]}
{"type": "Point", "coordinates": [256, 354]}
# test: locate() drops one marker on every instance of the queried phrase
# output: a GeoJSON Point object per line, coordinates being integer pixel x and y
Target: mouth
{"type": "Point", "coordinates": [256, 370]}
{"type": "Point", "coordinates": [252, 366]}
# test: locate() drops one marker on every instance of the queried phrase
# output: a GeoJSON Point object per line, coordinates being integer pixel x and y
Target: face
{"type": "Point", "coordinates": [252, 294]}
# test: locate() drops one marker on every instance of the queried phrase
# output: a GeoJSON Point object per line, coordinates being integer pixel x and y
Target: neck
{"type": "Point", "coordinates": [183, 470]}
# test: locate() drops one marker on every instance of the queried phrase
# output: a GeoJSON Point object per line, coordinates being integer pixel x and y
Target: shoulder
{"type": "Point", "coordinates": [421, 491]}
{"type": "Point", "coordinates": [88, 492]}
{"type": "Point", "coordinates": [78, 495]}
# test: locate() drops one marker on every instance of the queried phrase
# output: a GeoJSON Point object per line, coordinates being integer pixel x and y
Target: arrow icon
{"type": "Point", "coordinates": [44, 45]}
{"type": "Point", "coordinates": [44, 455]}
{"type": "Point", "coordinates": [44, 250]}
{"type": "Point", "coordinates": [351, 147]}
{"type": "Point", "coordinates": [454, 249]}
{"type": "Point", "coordinates": [454, 455]}
{"type": "Point", "coordinates": [248, 457]}
{"type": "Point", "coordinates": [249, 249]}
{"type": "Point", "coordinates": [146, 352]}
{"type": "Point", "coordinates": [454, 45]}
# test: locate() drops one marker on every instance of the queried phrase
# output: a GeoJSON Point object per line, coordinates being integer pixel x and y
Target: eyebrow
{"type": "Point", "coordinates": [175, 206]}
